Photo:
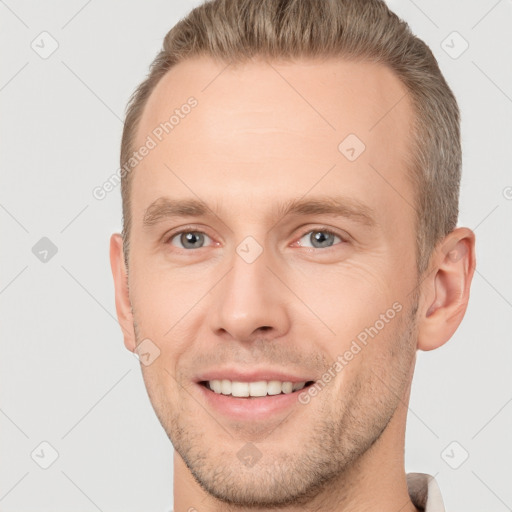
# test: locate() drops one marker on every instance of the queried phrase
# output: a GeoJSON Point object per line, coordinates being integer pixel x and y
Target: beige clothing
{"type": "Point", "coordinates": [424, 492]}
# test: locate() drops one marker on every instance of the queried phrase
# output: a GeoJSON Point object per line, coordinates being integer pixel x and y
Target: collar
{"type": "Point", "coordinates": [424, 492]}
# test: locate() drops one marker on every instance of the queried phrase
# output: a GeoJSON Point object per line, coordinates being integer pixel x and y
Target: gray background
{"type": "Point", "coordinates": [66, 378]}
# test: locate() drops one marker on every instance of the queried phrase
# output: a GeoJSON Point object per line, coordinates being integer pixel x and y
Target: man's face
{"type": "Point", "coordinates": [252, 293]}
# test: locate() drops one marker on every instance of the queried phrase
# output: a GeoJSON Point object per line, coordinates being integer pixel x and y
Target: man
{"type": "Point", "coordinates": [290, 196]}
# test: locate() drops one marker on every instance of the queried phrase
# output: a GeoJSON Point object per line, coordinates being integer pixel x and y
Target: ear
{"type": "Point", "coordinates": [123, 305]}
{"type": "Point", "coordinates": [445, 289]}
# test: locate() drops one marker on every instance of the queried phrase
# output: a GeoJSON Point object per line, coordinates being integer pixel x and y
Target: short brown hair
{"type": "Point", "coordinates": [237, 30]}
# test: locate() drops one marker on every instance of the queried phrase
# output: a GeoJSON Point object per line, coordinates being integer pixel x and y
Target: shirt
{"type": "Point", "coordinates": [423, 490]}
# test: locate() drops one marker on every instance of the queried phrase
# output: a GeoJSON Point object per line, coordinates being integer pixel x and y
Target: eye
{"type": "Point", "coordinates": [319, 238]}
{"type": "Point", "coordinates": [188, 239]}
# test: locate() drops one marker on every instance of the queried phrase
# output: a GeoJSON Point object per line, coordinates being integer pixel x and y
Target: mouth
{"type": "Point", "coordinates": [254, 390]}
{"type": "Point", "coordinates": [249, 395]}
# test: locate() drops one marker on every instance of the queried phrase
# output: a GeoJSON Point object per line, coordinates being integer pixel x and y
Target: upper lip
{"type": "Point", "coordinates": [251, 375]}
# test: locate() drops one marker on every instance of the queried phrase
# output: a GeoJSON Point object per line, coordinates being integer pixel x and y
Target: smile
{"type": "Point", "coordinates": [254, 389]}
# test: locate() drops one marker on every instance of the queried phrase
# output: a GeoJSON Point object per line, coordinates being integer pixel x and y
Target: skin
{"type": "Point", "coordinates": [252, 143]}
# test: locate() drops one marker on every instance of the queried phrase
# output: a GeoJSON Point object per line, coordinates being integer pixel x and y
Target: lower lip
{"type": "Point", "coordinates": [251, 409]}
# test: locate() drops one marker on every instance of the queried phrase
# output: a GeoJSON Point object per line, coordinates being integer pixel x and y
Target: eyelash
{"type": "Point", "coordinates": [321, 229]}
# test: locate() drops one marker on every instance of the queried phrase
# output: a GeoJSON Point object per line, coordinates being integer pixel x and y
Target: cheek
{"type": "Point", "coordinates": [168, 307]}
{"type": "Point", "coordinates": [161, 297]}
{"type": "Point", "coordinates": [377, 359]}
{"type": "Point", "coordinates": [163, 392]}
{"type": "Point", "coordinates": [350, 296]}
{"type": "Point", "coordinates": [363, 309]}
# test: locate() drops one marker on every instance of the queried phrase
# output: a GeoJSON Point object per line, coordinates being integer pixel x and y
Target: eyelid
{"type": "Point", "coordinates": [185, 229]}
{"type": "Point", "coordinates": [345, 238]}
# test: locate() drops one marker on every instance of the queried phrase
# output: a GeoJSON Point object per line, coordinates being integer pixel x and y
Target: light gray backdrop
{"type": "Point", "coordinates": [71, 396]}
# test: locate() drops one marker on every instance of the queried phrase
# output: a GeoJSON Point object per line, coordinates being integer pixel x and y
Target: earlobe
{"type": "Point", "coordinates": [446, 289]}
{"type": "Point", "coordinates": [122, 297]}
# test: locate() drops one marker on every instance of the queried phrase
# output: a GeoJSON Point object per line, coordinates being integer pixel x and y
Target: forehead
{"type": "Point", "coordinates": [281, 125]}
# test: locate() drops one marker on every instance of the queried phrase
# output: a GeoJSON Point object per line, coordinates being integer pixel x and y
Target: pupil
{"type": "Point", "coordinates": [321, 237]}
{"type": "Point", "coordinates": [189, 239]}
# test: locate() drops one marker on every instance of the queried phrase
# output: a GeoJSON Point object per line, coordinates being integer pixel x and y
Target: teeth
{"type": "Point", "coordinates": [274, 387]}
{"type": "Point", "coordinates": [240, 388]}
{"type": "Point", "coordinates": [216, 385]}
{"type": "Point", "coordinates": [298, 386]}
{"type": "Point", "coordinates": [259, 388]}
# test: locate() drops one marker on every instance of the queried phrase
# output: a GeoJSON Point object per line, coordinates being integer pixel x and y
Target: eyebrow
{"type": "Point", "coordinates": [339, 206]}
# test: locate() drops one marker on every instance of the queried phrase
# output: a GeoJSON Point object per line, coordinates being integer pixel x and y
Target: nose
{"type": "Point", "coordinates": [250, 301]}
